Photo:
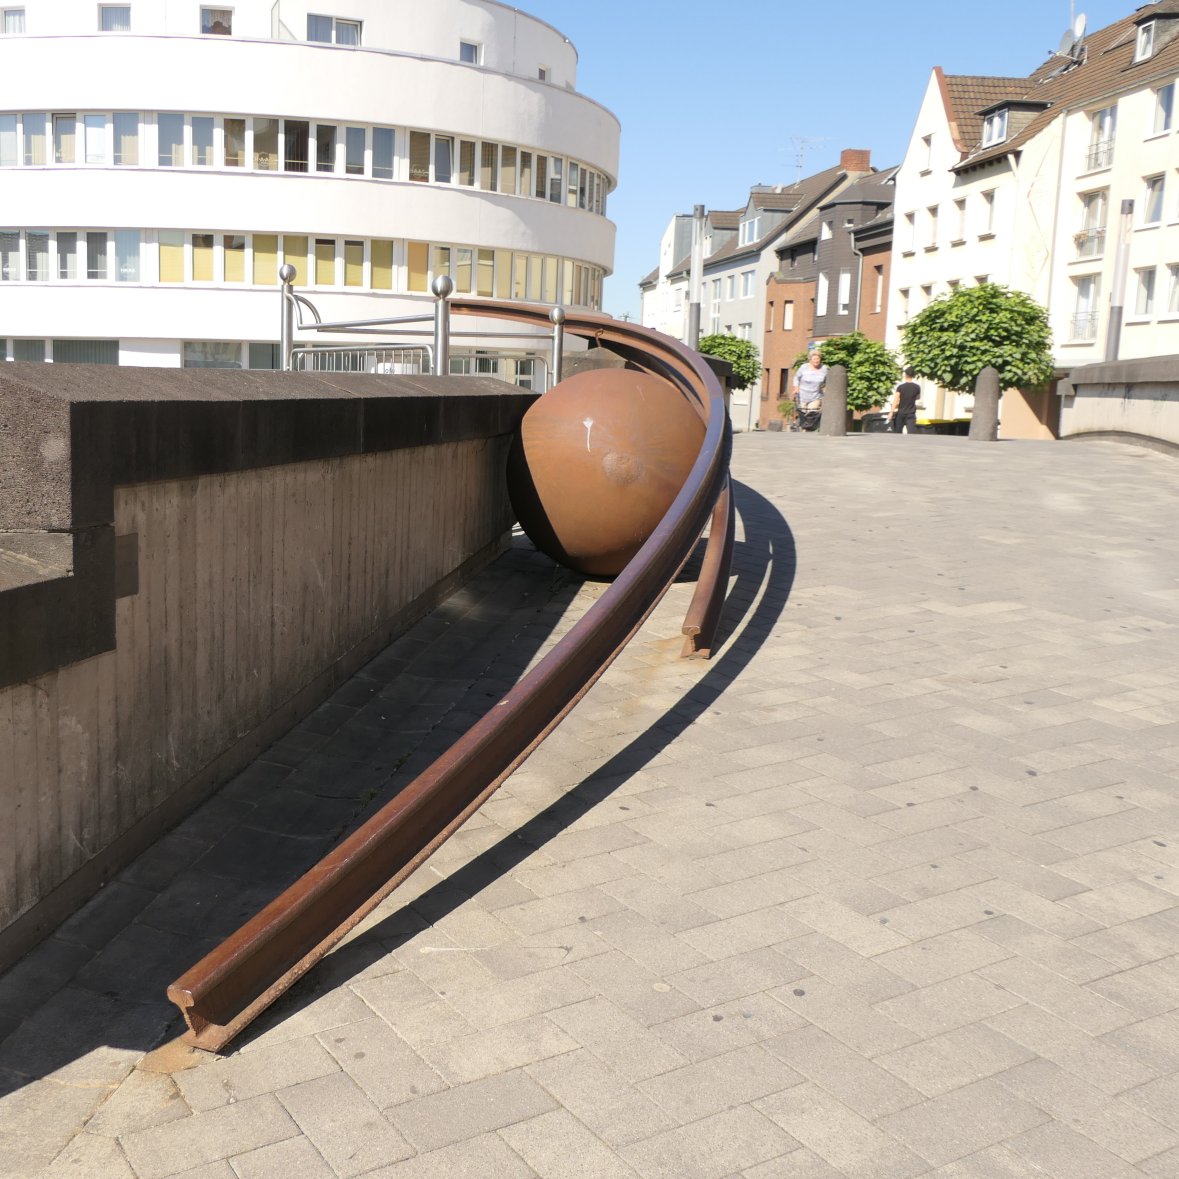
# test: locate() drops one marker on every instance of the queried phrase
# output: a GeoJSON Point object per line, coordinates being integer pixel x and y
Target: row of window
{"type": "Point", "coordinates": [1145, 306]}
{"type": "Point", "coordinates": [253, 259]}
{"type": "Point", "coordinates": [981, 208]}
{"type": "Point", "coordinates": [166, 140]}
{"type": "Point", "coordinates": [325, 30]}
{"type": "Point", "coordinates": [1090, 238]}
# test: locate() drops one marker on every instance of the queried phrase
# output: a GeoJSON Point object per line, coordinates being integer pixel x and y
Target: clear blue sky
{"type": "Point", "coordinates": [712, 95]}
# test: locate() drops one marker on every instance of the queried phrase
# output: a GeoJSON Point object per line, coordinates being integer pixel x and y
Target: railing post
{"type": "Point", "coordinates": [442, 287]}
{"type": "Point", "coordinates": [286, 331]}
{"type": "Point", "coordinates": [557, 316]}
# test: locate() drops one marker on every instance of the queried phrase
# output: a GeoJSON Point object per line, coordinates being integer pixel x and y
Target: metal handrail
{"type": "Point", "coordinates": [234, 983]}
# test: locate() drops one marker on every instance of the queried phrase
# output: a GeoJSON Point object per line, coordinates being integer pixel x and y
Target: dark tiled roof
{"type": "Point", "coordinates": [649, 280]}
{"type": "Point", "coordinates": [725, 218]}
{"type": "Point", "coordinates": [775, 201]}
{"type": "Point", "coordinates": [1106, 68]}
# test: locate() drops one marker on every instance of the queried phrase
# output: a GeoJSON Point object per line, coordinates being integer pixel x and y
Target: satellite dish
{"type": "Point", "coordinates": [1079, 26]}
{"type": "Point", "coordinates": [1067, 44]}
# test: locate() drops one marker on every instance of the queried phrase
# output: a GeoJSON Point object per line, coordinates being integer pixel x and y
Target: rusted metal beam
{"type": "Point", "coordinates": [228, 988]}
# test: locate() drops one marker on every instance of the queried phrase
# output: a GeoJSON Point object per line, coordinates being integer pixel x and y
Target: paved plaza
{"type": "Point", "coordinates": [888, 888]}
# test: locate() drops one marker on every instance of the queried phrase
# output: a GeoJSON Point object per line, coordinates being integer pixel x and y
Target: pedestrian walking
{"type": "Point", "coordinates": [904, 404]}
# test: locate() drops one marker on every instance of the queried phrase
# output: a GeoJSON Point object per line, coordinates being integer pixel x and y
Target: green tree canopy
{"type": "Point", "coordinates": [742, 354]}
{"type": "Point", "coordinates": [872, 369]}
{"type": "Point", "coordinates": [957, 335]}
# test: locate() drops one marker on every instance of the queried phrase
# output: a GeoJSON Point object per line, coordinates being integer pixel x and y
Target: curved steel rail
{"type": "Point", "coordinates": [236, 981]}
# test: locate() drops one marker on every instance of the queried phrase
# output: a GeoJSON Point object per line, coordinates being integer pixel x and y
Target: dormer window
{"type": "Point", "coordinates": [1144, 46]}
{"type": "Point", "coordinates": [995, 128]}
{"type": "Point", "coordinates": [750, 230]}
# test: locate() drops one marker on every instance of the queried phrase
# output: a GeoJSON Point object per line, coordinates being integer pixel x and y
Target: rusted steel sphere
{"type": "Point", "coordinates": [597, 462]}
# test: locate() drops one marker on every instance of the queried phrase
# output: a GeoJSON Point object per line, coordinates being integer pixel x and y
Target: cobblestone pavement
{"type": "Point", "coordinates": [888, 888]}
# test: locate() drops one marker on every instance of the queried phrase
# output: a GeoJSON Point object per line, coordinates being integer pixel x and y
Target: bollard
{"type": "Point", "coordinates": [984, 421]}
{"type": "Point", "coordinates": [834, 422]}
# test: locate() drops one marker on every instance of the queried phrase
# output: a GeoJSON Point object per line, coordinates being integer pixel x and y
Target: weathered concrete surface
{"type": "Point", "coordinates": [888, 888]}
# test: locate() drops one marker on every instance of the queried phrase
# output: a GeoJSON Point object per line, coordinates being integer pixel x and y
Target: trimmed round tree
{"type": "Point", "coordinates": [741, 354]}
{"type": "Point", "coordinates": [957, 335]}
{"type": "Point", "coordinates": [872, 369]}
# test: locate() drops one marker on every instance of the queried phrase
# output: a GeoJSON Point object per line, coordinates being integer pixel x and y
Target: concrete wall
{"type": "Point", "coordinates": [1133, 398]}
{"type": "Point", "coordinates": [241, 571]}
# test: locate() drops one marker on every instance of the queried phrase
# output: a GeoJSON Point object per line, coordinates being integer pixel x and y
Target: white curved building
{"type": "Point", "coordinates": [160, 159]}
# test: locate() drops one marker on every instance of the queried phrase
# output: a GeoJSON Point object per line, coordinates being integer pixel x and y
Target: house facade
{"type": "Point", "coordinates": [1019, 181]}
{"type": "Point", "coordinates": [149, 203]}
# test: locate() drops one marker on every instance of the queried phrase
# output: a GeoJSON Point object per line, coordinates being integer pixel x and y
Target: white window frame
{"type": "Point", "coordinates": [960, 221]}
{"type": "Point", "coordinates": [988, 198]}
{"type": "Point", "coordinates": [747, 283]}
{"type": "Point", "coordinates": [1144, 43]}
{"type": "Point", "coordinates": [543, 73]}
{"type": "Point", "coordinates": [5, 13]}
{"type": "Point", "coordinates": [1103, 128]}
{"type": "Point", "coordinates": [932, 218]}
{"type": "Point", "coordinates": [337, 21]}
{"type": "Point", "coordinates": [995, 128]}
{"type": "Point", "coordinates": [1152, 185]}
{"type": "Point", "coordinates": [1144, 289]}
{"type": "Point", "coordinates": [1164, 109]}
{"type": "Point", "coordinates": [1086, 308]}
{"type": "Point", "coordinates": [471, 52]}
{"type": "Point", "coordinates": [843, 295]}
{"type": "Point", "coordinates": [1172, 290]}
{"type": "Point", "coordinates": [821, 292]}
{"type": "Point", "coordinates": [210, 8]}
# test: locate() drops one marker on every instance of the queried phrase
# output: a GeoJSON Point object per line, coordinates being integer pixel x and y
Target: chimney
{"type": "Point", "coordinates": [855, 159]}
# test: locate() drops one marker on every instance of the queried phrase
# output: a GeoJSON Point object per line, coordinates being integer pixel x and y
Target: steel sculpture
{"type": "Point", "coordinates": [236, 981]}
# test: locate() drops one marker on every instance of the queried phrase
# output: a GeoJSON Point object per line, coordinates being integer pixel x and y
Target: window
{"type": "Point", "coordinates": [931, 240]}
{"type": "Point", "coordinates": [8, 152]}
{"type": "Point", "coordinates": [330, 30]}
{"type": "Point", "coordinates": [843, 296]}
{"type": "Point", "coordinates": [171, 255]}
{"type": "Point", "coordinates": [825, 230]}
{"type": "Point", "coordinates": [988, 214]}
{"type": "Point", "coordinates": [556, 164]}
{"type": "Point", "coordinates": [959, 222]}
{"type": "Point", "coordinates": [1144, 291]}
{"type": "Point", "coordinates": [126, 126]}
{"type": "Point", "coordinates": [507, 170]}
{"type": "Point", "coordinates": [745, 331]}
{"type": "Point", "coordinates": [747, 283]}
{"type": "Point", "coordinates": [926, 153]}
{"type": "Point", "coordinates": [114, 18]}
{"type": "Point", "coordinates": [1090, 240]}
{"type": "Point", "coordinates": [466, 171]}
{"type": "Point", "coordinates": [126, 254]}
{"type": "Point", "coordinates": [67, 256]}
{"type": "Point", "coordinates": [903, 299]}
{"type": "Point", "coordinates": [821, 295]}
{"type": "Point", "coordinates": [470, 52]}
{"type": "Point", "coordinates": [170, 130]}
{"type": "Point", "coordinates": [37, 257]}
{"type": "Point", "coordinates": [265, 259]}
{"type": "Point", "coordinates": [1173, 290]}
{"type": "Point", "coordinates": [489, 169]}
{"type": "Point", "coordinates": [381, 265]}
{"type": "Point", "coordinates": [878, 300]}
{"type": "Point", "coordinates": [233, 252]}
{"type": "Point", "coordinates": [354, 151]}
{"type": "Point", "coordinates": [295, 144]}
{"type": "Point", "coordinates": [29, 350]}
{"type": "Point", "coordinates": [202, 141]}
{"type": "Point", "coordinates": [1144, 45]}
{"type": "Point", "coordinates": [325, 261]}
{"type": "Point", "coordinates": [383, 139]}
{"type": "Point", "coordinates": [444, 160]}
{"type": "Point", "coordinates": [1083, 326]}
{"type": "Point", "coordinates": [353, 264]}
{"type": "Point", "coordinates": [543, 73]}
{"type": "Point", "coordinates": [85, 351]}
{"type": "Point", "coordinates": [1164, 106]}
{"type": "Point", "coordinates": [325, 147]}
{"type": "Point", "coordinates": [9, 255]}
{"type": "Point", "coordinates": [266, 145]}
{"type": "Point", "coordinates": [1152, 200]}
{"type": "Point", "coordinates": [750, 230]}
{"type": "Point", "coordinates": [909, 240]}
{"type": "Point", "coordinates": [788, 315]}
{"type": "Point", "coordinates": [217, 21]}
{"type": "Point", "coordinates": [234, 138]}
{"type": "Point", "coordinates": [94, 138]}
{"type": "Point", "coordinates": [65, 129]}
{"type": "Point", "coordinates": [926, 295]}
{"type": "Point", "coordinates": [35, 144]}
{"type": "Point", "coordinates": [1102, 125]}
{"type": "Point", "coordinates": [211, 354]}
{"type": "Point", "coordinates": [731, 287]}
{"type": "Point", "coordinates": [202, 257]}
{"type": "Point", "coordinates": [994, 128]}
{"type": "Point", "coordinates": [13, 20]}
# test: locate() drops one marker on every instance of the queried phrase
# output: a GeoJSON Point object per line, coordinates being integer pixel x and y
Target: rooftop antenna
{"type": "Point", "coordinates": [803, 144]}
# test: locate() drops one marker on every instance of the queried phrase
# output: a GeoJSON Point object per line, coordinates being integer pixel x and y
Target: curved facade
{"type": "Point", "coordinates": [159, 160]}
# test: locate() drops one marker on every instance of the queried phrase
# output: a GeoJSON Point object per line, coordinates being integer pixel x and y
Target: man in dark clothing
{"type": "Point", "coordinates": [904, 403]}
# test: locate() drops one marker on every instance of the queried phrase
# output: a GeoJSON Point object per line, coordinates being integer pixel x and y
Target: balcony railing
{"type": "Point", "coordinates": [1090, 242]}
{"type": "Point", "coordinates": [1083, 326]}
{"type": "Point", "coordinates": [1100, 155]}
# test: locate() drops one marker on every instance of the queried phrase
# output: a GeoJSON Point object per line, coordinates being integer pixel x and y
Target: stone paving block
{"type": "Point", "coordinates": [1090, 1012]}
{"type": "Point", "coordinates": [948, 1061]}
{"type": "Point", "coordinates": [1046, 949]}
{"type": "Point", "coordinates": [838, 1135]}
{"type": "Point", "coordinates": [619, 1041]}
{"type": "Point", "coordinates": [1117, 1124]}
{"type": "Point", "coordinates": [557, 1146]}
{"type": "Point", "coordinates": [640, 992]}
{"type": "Point", "coordinates": [1162, 1165]}
{"type": "Point", "coordinates": [843, 1016]}
{"type": "Point", "coordinates": [721, 1082]}
{"type": "Point", "coordinates": [498, 1050]}
{"type": "Point", "coordinates": [864, 935]}
{"type": "Point", "coordinates": [1133, 943]}
{"type": "Point", "coordinates": [1066, 1152]}
{"type": "Point", "coordinates": [466, 1111]}
{"type": "Point", "coordinates": [996, 1162]}
{"type": "Point", "coordinates": [208, 1137]}
{"type": "Point", "coordinates": [142, 1100]}
{"type": "Point", "coordinates": [798, 1164]}
{"type": "Point", "coordinates": [295, 1158]}
{"type": "Point", "coordinates": [296, 1016]}
{"type": "Point", "coordinates": [847, 1075]}
{"type": "Point", "coordinates": [508, 1000]}
{"type": "Point", "coordinates": [225, 1080]}
{"type": "Point", "coordinates": [950, 1004]}
{"type": "Point", "coordinates": [475, 1158]}
{"type": "Point", "coordinates": [636, 937]}
{"type": "Point", "coordinates": [1158, 1098]}
{"type": "Point", "coordinates": [1147, 990]}
{"type": "Point", "coordinates": [45, 1114]}
{"type": "Point", "coordinates": [711, 1148]}
{"type": "Point", "coordinates": [945, 956]}
{"type": "Point", "coordinates": [727, 1026]}
{"type": "Point", "coordinates": [343, 1124]}
{"type": "Point", "coordinates": [732, 978]}
{"type": "Point", "coordinates": [381, 1062]}
{"type": "Point", "coordinates": [962, 1122]}
{"type": "Point", "coordinates": [1115, 903]}
{"type": "Point", "coordinates": [748, 931]}
{"type": "Point", "coordinates": [88, 1156]}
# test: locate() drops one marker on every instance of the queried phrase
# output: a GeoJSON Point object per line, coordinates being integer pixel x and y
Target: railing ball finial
{"type": "Point", "coordinates": [557, 315]}
{"type": "Point", "coordinates": [287, 273]}
{"type": "Point", "coordinates": [443, 286]}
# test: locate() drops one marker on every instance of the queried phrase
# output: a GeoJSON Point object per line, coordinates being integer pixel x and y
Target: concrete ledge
{"type": "Point", "coordinates": [1147, 443]}
{"type": "Point", "coordinates": [75, 432]}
